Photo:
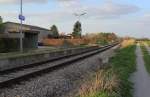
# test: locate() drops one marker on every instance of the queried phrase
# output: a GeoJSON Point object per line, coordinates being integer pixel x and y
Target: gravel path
{"type": "Point", "coordinates": [59, 82]}
{"type": "Point", "coordinates": [141, 78]}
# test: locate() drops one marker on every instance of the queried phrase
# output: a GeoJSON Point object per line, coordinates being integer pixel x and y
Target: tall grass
{"type": "Point", "coordinates": [127, 42]}
{"type": "Point", "coordinates": [114, 81]}
{"type": "Point", "coordinates": [146, 57]}
{"type": "Point", "coordinates": [104, 81]}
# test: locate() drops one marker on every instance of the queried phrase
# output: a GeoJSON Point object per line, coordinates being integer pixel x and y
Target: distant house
{"type": "Point", "coordinates": [68, 36]}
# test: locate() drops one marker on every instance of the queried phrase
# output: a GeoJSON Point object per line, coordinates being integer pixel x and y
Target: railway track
{"type": "Point", "coordinates": [24, 73]}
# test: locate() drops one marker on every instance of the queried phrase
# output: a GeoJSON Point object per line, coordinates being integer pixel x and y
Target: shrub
{"type": "Point", "coordinates": [105, 81]}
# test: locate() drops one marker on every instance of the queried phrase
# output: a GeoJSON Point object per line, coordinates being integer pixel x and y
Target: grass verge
{"type": "Point", "coordinates": [113, 81]}
{"type": "Point", "coordinates": [146, 57]}
{"type": "Point", "coordinates": [148, 43]}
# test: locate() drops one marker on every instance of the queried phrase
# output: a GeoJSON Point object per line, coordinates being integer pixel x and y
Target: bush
{"type": "Point", "coordinates": [2, 27]}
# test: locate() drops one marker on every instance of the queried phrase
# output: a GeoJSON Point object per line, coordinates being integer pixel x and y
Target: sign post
{"type": "Point", "coordinates": [21, 18]}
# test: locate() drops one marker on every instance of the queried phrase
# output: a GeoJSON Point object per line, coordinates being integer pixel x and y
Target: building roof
{"type": "Point", "coordinates": [31, 26]}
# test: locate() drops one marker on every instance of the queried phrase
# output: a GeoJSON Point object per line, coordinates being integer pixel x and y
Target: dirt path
{"type": "Point", "coordinates": [141, 78]}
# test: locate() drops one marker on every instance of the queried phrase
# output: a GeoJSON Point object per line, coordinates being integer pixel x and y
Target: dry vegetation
{"type": "Point", "coordinates": [105, 80]}
{"type": "Point", "coordinates": [94, 38]}
{"type": "Point", "coordinates": [127, 42]}
{"type": "Point", "coordinates": [60, 42]}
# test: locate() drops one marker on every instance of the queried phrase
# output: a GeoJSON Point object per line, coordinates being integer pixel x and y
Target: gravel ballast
{"type": "Point", "coordinates": [59, 82]}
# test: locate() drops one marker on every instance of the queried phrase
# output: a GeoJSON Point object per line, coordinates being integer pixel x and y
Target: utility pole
{"type": "Point", "coordinates": [79, 15]}
{"type": "Point", "coordinates": [21, 18]}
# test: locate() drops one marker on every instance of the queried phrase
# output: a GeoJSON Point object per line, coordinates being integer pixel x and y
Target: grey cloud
{"type": "Point", "coordinates": [107, 10]}
{"type": "Point", "coordinates": [32, 1]}
{"type": "Point", "coordinates": [68, 3]}
{"type": "Point", "coordinates": [66, 0]}
{"type": "Point", "coordinates": [144, 20]}
{"type": "Point", "coordinates": [111, 10]}
{"type": "Point", "coordinates": [25, 1]}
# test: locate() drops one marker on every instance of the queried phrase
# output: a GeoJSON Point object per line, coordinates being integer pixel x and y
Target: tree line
{"type": "Point", "coordinates": [101, 37]}
{"type": "Point", "coordinates": [77, 31]}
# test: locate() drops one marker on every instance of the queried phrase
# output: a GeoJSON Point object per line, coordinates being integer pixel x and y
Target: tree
{"type": "Point", "coordinates": [77, 29]}
{"type": "Point", "coordinates": [1, 20]}
{"type": "Point", "coordinates": [55, 32]}
{"type": "Point", "coordinates": [1, 25]}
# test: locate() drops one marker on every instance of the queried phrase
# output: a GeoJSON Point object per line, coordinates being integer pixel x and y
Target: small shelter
{"type": "Point", "coordinates": [11, 41]}
{"type": "Point", "coordinates": [30, 38]}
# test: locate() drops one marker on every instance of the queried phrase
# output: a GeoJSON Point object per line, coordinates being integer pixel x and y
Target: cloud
{"type": "Point", "coordinates": [35, 1]}
{"type": "Point", "coordinates": [98, 18]}
{"type": "Point", "coordinates": [106, 10]}
{"type": "Point", "coordinates": [145, 20]}
{"type": "Point", "coordinates": [110, 10]}
{"type": "Point", "coordinates": [25, 1]}
{"type": "Point", "coordinates": [69, 3]}
{"type": "Point", "coordinates": [52, 16]}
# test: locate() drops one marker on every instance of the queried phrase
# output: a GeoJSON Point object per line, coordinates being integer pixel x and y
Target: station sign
{"type": "Point", "coordinates": [21, 17]}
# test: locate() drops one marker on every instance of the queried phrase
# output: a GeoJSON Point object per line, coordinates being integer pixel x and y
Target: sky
{"type": "Point", "coordinates": [123, 17]}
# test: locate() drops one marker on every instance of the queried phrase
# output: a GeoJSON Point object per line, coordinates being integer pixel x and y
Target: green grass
{"type": "Point", "coordinates": [148, 43]}
{"type": "Point", "coordinates": [146, 57]}
{"type": "Point", "coordinates": [123, 64]}
{"type": "Point", "coordinates": [100, 94]}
